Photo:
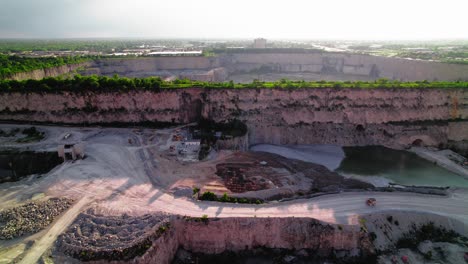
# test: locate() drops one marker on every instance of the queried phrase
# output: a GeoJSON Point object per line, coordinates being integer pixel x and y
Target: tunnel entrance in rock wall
{"type": "Point", "coordinates": [417, 143]}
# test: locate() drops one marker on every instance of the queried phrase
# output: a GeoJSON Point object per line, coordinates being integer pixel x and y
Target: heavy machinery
{"type": "Point", "coordinates": [371, 202]}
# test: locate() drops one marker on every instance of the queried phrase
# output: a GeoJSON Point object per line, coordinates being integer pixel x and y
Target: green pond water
{"type": "Point", "coordinates": [379, 166]}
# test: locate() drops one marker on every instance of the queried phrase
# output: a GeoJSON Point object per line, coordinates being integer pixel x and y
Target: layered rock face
{"type": "Point", "coordinates": [348, 117]}
{"type": "Point", "coordinates": [236, 234]}
{"type": "Point", "coordinates": [310, 65]}
{"type": "Point", "coordinates": [389, 117]}
{"type": "Point", "coordinates": [217, 235]}
{"type": "Point", "coordinates": [347, 64]}
{"type": "Point", "coordinates": [195, 68]}
{"type": "Point", "coordinates": [214, 236]}
{"type": "Point", "coordinates": [49, 72]}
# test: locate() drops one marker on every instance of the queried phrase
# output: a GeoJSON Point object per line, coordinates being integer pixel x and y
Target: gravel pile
{"type": "Point", "coordinates": [31, 217]}
{"type": "Point", "coordinates": [95, 237]}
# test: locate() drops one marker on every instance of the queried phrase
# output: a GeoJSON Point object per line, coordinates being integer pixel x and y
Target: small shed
{"type": "Point", "coordinates": [71, 151]}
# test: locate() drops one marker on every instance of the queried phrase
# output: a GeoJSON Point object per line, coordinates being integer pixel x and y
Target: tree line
{"type": "Point", "coordinates": [116, 83]}
{"type": "Point", "coordinates": [9, 65]}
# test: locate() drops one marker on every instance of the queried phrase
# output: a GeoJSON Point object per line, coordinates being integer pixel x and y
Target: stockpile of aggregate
{"type": "Point", "coordinates": [98, 237]}
{"type": "Point", "coordinates": [31, 217]}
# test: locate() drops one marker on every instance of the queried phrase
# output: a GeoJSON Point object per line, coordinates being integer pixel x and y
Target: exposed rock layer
{"type": "Point", "coordinates": [309, 66]}
{"type": "Point", "coordinates": [49, 72]}
{"type": "Point", "coordinates": [349, 117]}
{"type": "Point", "coordinates": [214, 236]}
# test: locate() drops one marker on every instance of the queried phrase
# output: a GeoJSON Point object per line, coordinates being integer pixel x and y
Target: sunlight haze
{"type": "Point", "coordinates": [333, 19]}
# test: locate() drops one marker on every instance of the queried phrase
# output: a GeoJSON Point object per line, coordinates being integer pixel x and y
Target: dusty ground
{"type": "Point", "coordinates": [137, 177]}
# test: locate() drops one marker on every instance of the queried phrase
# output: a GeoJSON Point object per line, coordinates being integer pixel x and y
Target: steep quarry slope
{"type": "Point", "coordinates": [347, 64]}
{"type": "Point", "coordinates": [237, 234]}
{"type": "Point", "coordinates": [217, 235]}
{"type": "Point", "coordinates": [354, 243]}
{"type": "Point", "coordinates": [310, 66]}
{"type": "Point", "coordinates": [391, 117]}
{"type": "Point", "coordinates": [194, 68]}
{"type": "Point", "coordinates": [49, 72]}
{"type": "Point", "coordinates": [107, 66]}
{"type": "Point", "coordinates": [345, 117]}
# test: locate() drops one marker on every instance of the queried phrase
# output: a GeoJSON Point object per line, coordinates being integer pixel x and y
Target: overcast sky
{"type": "Point", "coordinates": [304, 19]}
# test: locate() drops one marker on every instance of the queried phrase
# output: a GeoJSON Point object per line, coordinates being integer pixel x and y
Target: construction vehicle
{"type": "Point", "coordinates": [176, 138]}
{"type": "Point", "coordinates": [371, 202]}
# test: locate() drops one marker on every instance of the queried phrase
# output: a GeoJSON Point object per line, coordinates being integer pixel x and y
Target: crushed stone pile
{"type": "Point", "coordinates": [98, 237]}
{"type": "Point", "coordinates": [31, 217]}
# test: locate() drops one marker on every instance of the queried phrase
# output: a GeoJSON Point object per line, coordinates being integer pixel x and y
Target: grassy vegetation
{"type": "Point", "coordinates": [10, 65]}
{"type": "Point", "coordinates": [209, 196]}
{"type": "Point", "coordinates": [203, 219]}
{"type": "Point", "coordinates": [32, 135]}
{"type": "Point", "coordinates": [107, 84]}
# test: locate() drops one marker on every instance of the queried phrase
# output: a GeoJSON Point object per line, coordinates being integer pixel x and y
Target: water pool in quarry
{"type": "Point", "coordinates": [380, 165]}
{"type": "Point", "coordinates": [374, 164]}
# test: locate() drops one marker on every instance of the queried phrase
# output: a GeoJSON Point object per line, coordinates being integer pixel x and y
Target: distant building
{"type": "Point", "coordinates": [189, 146]}
{"type": "Point", "coordinates": [259, 43]}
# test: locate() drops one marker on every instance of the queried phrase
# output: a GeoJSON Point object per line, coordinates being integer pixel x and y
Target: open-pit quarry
{"type": "Point", "coordinates": [273, 186]}
{"type": "Point", "coordinates": [251, 175]}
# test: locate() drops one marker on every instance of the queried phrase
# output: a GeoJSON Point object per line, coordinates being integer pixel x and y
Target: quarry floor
{"type": "Point", "coordinates": [137, 177]}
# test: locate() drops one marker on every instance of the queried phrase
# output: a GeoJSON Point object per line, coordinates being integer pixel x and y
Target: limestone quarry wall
{"type": "Point", "coordinates": [237, 234]}
{"type": "Point", "coordinates": [391, 117]}
{"type": "Point", "coordinates": [153, 64]}
{"type": "Point", "coordinates": [162, 250]}
{"type": "Point", "coordinates": [361, 67]}
{"type": "Point", "coordinates": [49, 72]}
{"type": "Point", "coordinates": [217, 235]}
{"type": "Point", "coordinates": [346, 116]}
{"type": "Point", "coordinates": [216, 69]}
{"type": "Point", "coordinates": [351, 64]}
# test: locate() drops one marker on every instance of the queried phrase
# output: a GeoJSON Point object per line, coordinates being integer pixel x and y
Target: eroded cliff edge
{"type": "Point", "coordinates": [348, 117]}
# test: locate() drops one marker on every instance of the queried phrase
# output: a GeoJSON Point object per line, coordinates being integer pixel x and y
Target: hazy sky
{"type": "Point", "coordinates": [306, 19]}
